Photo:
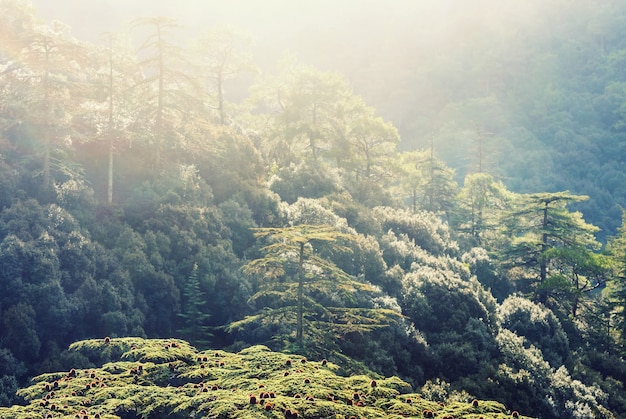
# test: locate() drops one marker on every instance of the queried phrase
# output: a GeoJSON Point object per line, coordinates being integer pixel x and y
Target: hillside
{"type": "Point", "coordinates": [139, 198]}
{"type": "Point", "coordinates": [538, 86]}
{"type": "Point", "coordinates": [535, 88]}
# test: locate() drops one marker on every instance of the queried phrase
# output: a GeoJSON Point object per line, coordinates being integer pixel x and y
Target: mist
{"type": "Point", "coordinates": [375, 44]}
{"type": "Point", "coordinates": [524, 72]}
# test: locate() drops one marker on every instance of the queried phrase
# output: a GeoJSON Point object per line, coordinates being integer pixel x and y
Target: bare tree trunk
{"type": "Point", "coordinates": [220, 98]}
{"type": "Point", "coordinates": [160, 104]}
{"type": "Point", "coordinates": [300, 313]}
{"type": "Point", "coordinates": [110, 180]}
{"type": "Point", "coordinates": [544, 246]}
{"type": "Point", "coordinates": [111, 138]}
{"type": "Point", "coordinates": [47, 125]}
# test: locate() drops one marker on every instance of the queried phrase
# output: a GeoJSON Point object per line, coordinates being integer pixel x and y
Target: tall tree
{"type": "Point", "coordinates": [304, 282]}
{"type": "Point", "coordinates": [373, 142]}
{"type": "Point", "coordinates": [304, 105]}
{"type": "Point", "coordinates": [616, 287]}
{"type": "Point", "coordinates": [428, 181]}
{"type": "Point", "coordinates": [171, 95]}
{"type": "Point", "coordinates": [370, 167]}
{"type": "Point", "coordinates": [45, 84]}
{"type": "Point", "coordinates": [117, 77]}
{"type": "Point", "coordinates": [17, 20]}
{"type": "Point", "coordinates": [112, 111]}
{"type": "Point", "coordinates": [193, 313]}
{"type": "Point", "coordinates": [224, 56]}
{"type": "Point", "coordinates": [541, 222]}
{"type": "Point", "coordinates": [410, 178]}
{"type": "Point", "coordinates": [479, 149]}
{"type": "Point", "coordinates": [482, 202]}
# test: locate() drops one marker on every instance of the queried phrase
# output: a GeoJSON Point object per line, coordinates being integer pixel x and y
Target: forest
{"type": "Point", "coordinates": [158, 233]}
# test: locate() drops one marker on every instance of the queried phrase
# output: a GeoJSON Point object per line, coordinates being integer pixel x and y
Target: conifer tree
{"type": "Point", "coordinates": [169, 102]}
{"type": "Point", "coordinates": [482, 200]}
{"type": "Point", "coordinates": [616, 287]}
{"type": "Point", "coordinates": [109, 113]}
{"type": "Point", "coordinates": [543, 234]}
{"type": "Point", "coordinates": [43, 86]}
{"type": "Point", "coordinates": [310, 114]}
{"type": "Point", "coordinates": [117, 64]}
{"type": "Point", "coordinates": [192, 313]}
{"type": "Point", "coordinates": [299, 282]}
{"type": "Point", "coordinates": [225, 55]}
{"type": "Point", "coordinates": [429, 181]}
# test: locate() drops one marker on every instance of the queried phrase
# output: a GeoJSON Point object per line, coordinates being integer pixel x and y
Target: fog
{"type": "Point", "coordinates": [379, 46]}
{"type": "Point", "coordinates": [346, 35]}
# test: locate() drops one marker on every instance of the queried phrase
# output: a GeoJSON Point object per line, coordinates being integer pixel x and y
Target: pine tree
{"type": "Point", "coordinates": [171, 98]}
{"type": "Point", "coordinates": [193, 312]}
{"type": "Point", "coordinates": [300, 282]}
{"type": "Point", "coordinates": [44, 86]}
{"type": "Point", "coordinates": [616, 287]}
{"type": "Point", "coordinates": [545, 238]}
{"type": "Point", "coordinates": [482, 200]}
{"type": "Point", "coordinates": [224, 56]}
{"type": "Point", "coordinates": [428, 181]}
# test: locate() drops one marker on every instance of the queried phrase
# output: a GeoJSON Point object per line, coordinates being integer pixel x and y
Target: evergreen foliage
{"type": "Point", "coordinates": [616, 250]}
{"type": "Point", "coordinates": [134, 377]}
{"type": "Point", "coordinates": [193, 313]}
{"type": "Point", "coordinates": [300, 284]}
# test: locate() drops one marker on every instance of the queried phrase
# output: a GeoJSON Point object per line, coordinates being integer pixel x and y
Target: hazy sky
{"type": "Point", "coordinates": [297, 24]}
{"type": "Point", "coordinates": [330, 32]}
{"type": "Point", "coordinates": [270, 16]}
{"type": "Point", "coordinates": [374, 43]}
{"type": "Point", "coordinates": [282, 20]}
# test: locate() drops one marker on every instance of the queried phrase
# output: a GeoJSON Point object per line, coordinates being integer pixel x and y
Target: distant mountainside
{"type": "Point", "coordinates": [537, 101]}
{"type": "Point", "coordinates": [536, 89]}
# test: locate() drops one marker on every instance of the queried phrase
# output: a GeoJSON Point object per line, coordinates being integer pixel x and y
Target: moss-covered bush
{"type": "Point", "coordinates": [161, 378]}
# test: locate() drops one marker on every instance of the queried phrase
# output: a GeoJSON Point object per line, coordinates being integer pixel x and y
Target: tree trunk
{"type": "Point", "coordinates": [220, 97]}
{"type": "Point", "coordinates": [110, 180]}
{"type": "Point", "coordinates": [111, 139]}
{"type": "Point", "coordinates": [300, 313]}
{"type": "Point", "coordinates": [160, 101]}
{"type": "Point", "coordinates": [47, 125]}
{"type": "Point", "coordinates": [544, 247]}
